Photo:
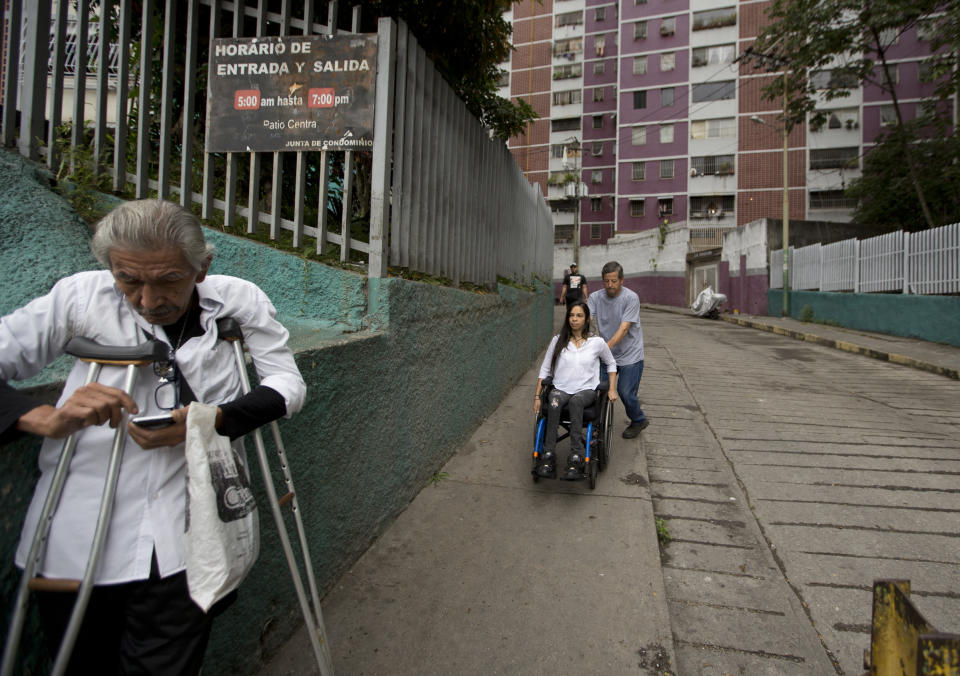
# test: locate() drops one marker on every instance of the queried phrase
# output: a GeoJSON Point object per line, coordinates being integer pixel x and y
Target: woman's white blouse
{"type": "Point", "coordinates": [577, 368]}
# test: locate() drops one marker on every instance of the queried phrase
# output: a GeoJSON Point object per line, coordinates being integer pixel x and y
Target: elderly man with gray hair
{"type": "Point", "coordinates": [141, 619]}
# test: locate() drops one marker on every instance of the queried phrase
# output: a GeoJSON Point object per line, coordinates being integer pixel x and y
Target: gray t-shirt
{"type": "Point", "coordinates": [607, 313]}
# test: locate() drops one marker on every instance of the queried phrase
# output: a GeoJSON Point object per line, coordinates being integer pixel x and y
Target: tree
{"type": "Point", "coordinates": [885, 192]}
{"type": "Point", "coordinates": [467, 40]}
{"type": "Point", "coordinates": [825, 48]}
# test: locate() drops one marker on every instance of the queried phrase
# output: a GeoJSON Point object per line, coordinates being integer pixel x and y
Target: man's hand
{"type": "Point", "coordinates": [171, 435]}
{"type": "Point", "coordinates": [612, 395]}
{"type": "Point", "coordinates": [90, 405]}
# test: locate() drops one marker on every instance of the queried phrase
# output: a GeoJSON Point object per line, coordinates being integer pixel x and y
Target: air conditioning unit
{"type": "Point", "coordinates": [694, 172]}
{"type": "Point", "coordinates": [666, 31]}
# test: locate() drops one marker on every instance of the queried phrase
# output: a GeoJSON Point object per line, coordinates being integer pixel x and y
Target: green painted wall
{"type": "Point", "coordinates": [933, 318]}
{"type": "Point", "coordinates": [387, 405]}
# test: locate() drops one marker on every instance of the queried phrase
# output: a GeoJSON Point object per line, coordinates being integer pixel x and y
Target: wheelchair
{"type": "Point", "coordinates": [597, 439]}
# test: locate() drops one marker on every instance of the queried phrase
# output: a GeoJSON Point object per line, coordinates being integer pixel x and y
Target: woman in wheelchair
{"type": "Point", "coordinates": [572, 360]}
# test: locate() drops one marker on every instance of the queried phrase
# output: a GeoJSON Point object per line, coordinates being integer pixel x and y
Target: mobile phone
{"type": "Point", "coordinates": [153, 422]}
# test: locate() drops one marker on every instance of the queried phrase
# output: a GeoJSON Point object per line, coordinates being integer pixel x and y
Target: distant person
{"type": "Point", "coordinates": [617, 313]}
{"type": "Point", "coordinates": [571, 361]}
{"type": "Point", "coordinates": [574, 287]}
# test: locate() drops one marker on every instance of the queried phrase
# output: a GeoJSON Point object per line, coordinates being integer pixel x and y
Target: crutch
{"type": "Point", "coordinates": [228, 329]}
{"type": "Point", "coordinates": [98, 356]}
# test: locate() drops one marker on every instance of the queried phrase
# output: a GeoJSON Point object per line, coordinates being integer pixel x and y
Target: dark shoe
{"type": "Point", "coordinates": [635, 428]}
{"type": "Point", "coordinates": [574, 471]}
{"type": "Point", "coordinates": [547, 467]}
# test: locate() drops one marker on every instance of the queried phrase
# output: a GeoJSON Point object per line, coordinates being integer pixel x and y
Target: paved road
{"type": "Point", "coordinates": [790, 476]}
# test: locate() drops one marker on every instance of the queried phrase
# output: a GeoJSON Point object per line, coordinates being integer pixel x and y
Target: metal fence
{"type": "Point", "coordinates": [926, 262]}
{"type": "Point", "coordinates": [445, 198]}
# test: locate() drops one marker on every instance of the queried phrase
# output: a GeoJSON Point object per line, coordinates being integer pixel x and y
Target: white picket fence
{"type": "Point", "coordinates": [925, 262]}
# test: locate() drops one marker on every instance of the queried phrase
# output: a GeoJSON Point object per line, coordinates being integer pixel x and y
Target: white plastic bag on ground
{"type": "Point", "coordinates": [223, 537]}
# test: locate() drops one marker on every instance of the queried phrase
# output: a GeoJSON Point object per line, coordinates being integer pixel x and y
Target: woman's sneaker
{"type": "Point", "coordinates": [547, 467]}
{"type": "Point", "coordinates": [574, 471]}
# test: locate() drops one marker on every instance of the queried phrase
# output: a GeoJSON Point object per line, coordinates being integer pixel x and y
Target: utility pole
{"type": "Point", "coordinates": [577, 195]}
{"type": "Point", "coordinates": [785, 305]}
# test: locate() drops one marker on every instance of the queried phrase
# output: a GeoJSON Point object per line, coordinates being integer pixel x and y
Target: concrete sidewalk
{"type": "Point", "coordinates": [488, 573]}
{"type": "Point", "coordinates": [913, 352]}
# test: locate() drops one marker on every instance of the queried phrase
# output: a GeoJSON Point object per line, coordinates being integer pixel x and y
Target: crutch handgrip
{"type": "Point", "coordinates": [284, 499]}
{"type": "Point", "coordinates": [228, 328]}
{"type": "Point", "coordinates": [46, 584]}
{"type": "Point", "coordinates": [85, 349]}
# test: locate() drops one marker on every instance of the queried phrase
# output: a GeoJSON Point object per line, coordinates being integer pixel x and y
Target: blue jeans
{"type": "Point", "coordinates": [628, 383]}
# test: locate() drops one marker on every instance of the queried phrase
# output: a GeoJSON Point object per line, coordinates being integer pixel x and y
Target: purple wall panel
{"type": "Point", "coordinates": [606, 132]}
{"type": "Point", "coordinates": [608, 76]}
{"type": "Point", "coordinates": [659, 289]}
{"type": "Point", "coordinates": [745, 293]}
{"type": "Point", "coordinates": [653, 112]}
{"type": "Point", "coordinates": [629, 10]}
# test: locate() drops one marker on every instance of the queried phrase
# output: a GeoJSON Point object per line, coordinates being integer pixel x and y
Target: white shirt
{"type": "Point", "coordinates": [151, 492]}
{"type": "Point", "coordinates": [576, 368]}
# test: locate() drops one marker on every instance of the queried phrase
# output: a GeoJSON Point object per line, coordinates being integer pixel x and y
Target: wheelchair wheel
{"type": "Point", "coordinates": [607, 435]}
{"type": "Point", "coordinates": [592, 474]}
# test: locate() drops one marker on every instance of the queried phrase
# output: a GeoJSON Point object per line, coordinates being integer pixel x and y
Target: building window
{"type": "Point", "coordinates": [639, 2]}
{"type": "Point", "coordinates": [597, 148]}
{"type": "Point", "coordinates": [925, 71]}
{"type": "Point", "coordinates": [597, 94]}
{"type": "Point", "coordinates": [595, 231]}
{"type": "Point", "coordinates": [721, 127]}
{"type": "Point", "coordinates": [839, 118]}
{"type": "Point", "coordinates": [666, 133]}
{"type": "Point", "coordinates": [712, 206]}
{"type": "Point", "coordinates": [636, 208]}
{"type": "Point", "coordinates": [666, 97]}
{"type": "Point", "coordinates": [668, 26]}
{"type": "Point", "coordinates": [889, 37]}
{"type": "Point", "coordinates": [599, 67]}
{"type": "Point", "coordinates": [596, 203]}
{"type": "Point", "coordinates": [567, 71]}
{"type": "Point", "coordinates": [835, 158]}
{"type": "Point", "coordinates": [711, 165]}
{"type": "Point", "coordinates": [888, 116]}
{"type": "Point", "coordinates": [831, 199]}
{"type": "Point", "coordinates": [668, 61]}
{"type": "Point", "coordinates": [639, 100]}
{"type": "Point", "coordinates": [639, 171]}
{"type": "Point", "coordinates": [567, 97]}
{"type": "Point", "coordinates": [569, 19]}
{"type": "Point", "coordinates": [834, 79]}
{"type": "Point", "coordinates": [665, 206]}
{"type": "Point", "coordinates": [596, 176]}
{"type": "Point", "coordinates": [599, 44]}
{"type": "Point", "coordinates": [640, 65]}
{"type": "Point", "coordinates": [565, 124]}
{"type": "Point", "coordinates": [638, 136]}
{"type": "Point", "coordinates": [600, 14]}
{"type": "Point", "coordinates": [564, 151]}
{"type": "Point", "coordinates": [666, 168]}
{"type": "Point", "coordinates": [598, 121]}
{"type": "Point", "coordinates": [926, 29]}
{"type": "Point", "coordinates": [715, 18]}
{"type": "Point", "coordinates": [713, 91]}
{"type": "Point", "coordinates": [568, 48]}
{"type": "Point", "coordinates": [712, 56]}
{"type": "Point", "coordinates": [640, 30]}
{"type": "Point", "coordinates": [504, 80]}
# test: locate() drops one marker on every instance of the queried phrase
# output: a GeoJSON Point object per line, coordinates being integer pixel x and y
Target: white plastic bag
{"type": "Point", "coordinates": [223, 537]}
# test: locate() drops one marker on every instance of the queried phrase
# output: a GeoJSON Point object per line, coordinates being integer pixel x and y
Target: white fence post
{"type": "Point", "coordinates": [382, 143]}
{"type": "Point", "coordinates": [856, 266]}
{"type": "Point", "coordinates": [906, 262]}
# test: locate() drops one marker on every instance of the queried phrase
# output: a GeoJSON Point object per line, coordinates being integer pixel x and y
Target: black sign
{"type": "Point", "coordinates": [291, 93]}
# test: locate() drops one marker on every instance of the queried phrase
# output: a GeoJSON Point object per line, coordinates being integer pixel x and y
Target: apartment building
{"type": "Point", "coordinates": [645, 102]}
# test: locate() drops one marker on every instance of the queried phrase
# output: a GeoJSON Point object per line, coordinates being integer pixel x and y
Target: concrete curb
{"type": "Point", "coordinates": [846, 346]}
